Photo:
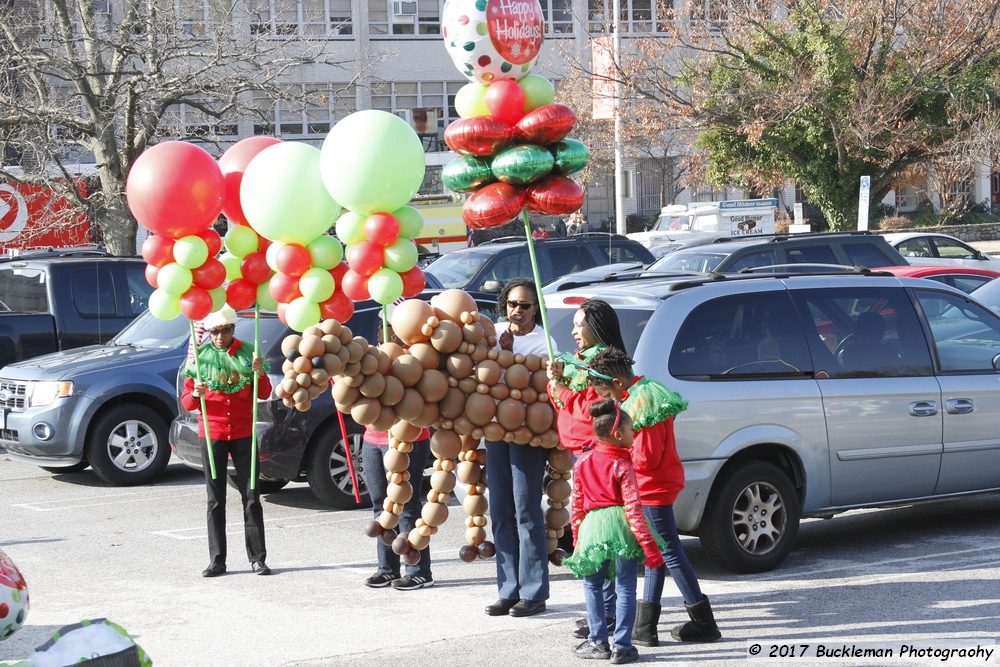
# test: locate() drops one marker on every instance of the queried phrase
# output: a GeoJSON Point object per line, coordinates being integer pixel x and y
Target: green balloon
{"type": "Point", "coordinates": [400, 256]}
{"type": "Point", "coordinates": [326, 253]}
{"type": "Point", "coordinates": [371, 161]}
{"type": "Point", "coordinates": [164, 306]}
{"type": "Point", "coordinates": [264, 298]}
{"type": "Point", "coordinates": [351, 228]}
{"type": "Point", "coordinates": [411, 223]}
{"type": "Point", "coordinates": [218, 297]}
{"type": "Point", "coordinates": [283, 196]}
{"type": "Point", "coordinates": [190, 252]}
{"type": "Point", "coordinates": [385, 286]}
{"type": "Point", "coordinates": [523, 164]}
{"type": "Point", "coordinates": [303, 313]}
{"type": "Point", "coordinates": [470, 101]}
{"type": "Point", "coordinates": [316, 284]}
{"type": "Point", "coordinates": [232, 264]}
{"type": "Point", "coordinates": [538, 91]}
{"type": "Point", "coordinates": [570, 156]}
{"type": "Point", "coordinates": [241, 241]}
{"type": "Point", "coordinates": [467, 173]}
{"type": "Point", "coordinates": [174, 279]}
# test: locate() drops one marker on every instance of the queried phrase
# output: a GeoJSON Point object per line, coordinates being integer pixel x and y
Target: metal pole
{"type": "Point", "coordinates": [619, 148]}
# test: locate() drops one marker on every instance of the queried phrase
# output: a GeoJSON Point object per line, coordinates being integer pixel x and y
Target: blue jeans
{"type": "Point", "coordinates": [515, 475]}
{"type": "Point", "coordinates": [626, 572]}
{"type": "Point", "coordinates": [662, 518]}
{"type": "Point", "coordinates": [374, 473]}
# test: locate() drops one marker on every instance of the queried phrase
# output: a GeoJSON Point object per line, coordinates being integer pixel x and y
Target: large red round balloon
{"type": "Point", "coordinates": [196, 303]}
{"type": "Point", "coordinates": [547, 124]}
{"type": "Point", "coordinates": [151, 272]}
{"type": "Point", "coordinates": [505, 100]}
{"type": "Point", "coordinates": [338, 273]}
{"type": "Point", "coordinates": [175, 189]}
{"type": "Point", "coordinates": [283, 288]}
{"type": "Point", "coordinates": [212, 240]}
{"type": "Point", "coordinates": [365, 257]}
{"type": "Point", "coordinates": [382, 229]}
{"type": "Point", "coordinates": [158, 250]}
{"type": "Point", "coordinates": [355, 286]}
{"type": "Point", "coordinates": [481, 135]}
{"type": "Point", "coordinates": [233, 163]}
{"type": "Point", "coordinates": [493, 205]}
{"type": "Point", "coordinates": [254, 267]}
{"type": "Point", "coordinates": [555, 195]}
{"type": "Point", "coordinates": [209, 275]}
{"type": "Point", "coordinates": [414, 282]}
{"type": "Point", "coordinates": [241, 293]}
{"type": "Point", "coordinates": [293, 259]}
{"type": "Point", "coordinates": [338, 307]}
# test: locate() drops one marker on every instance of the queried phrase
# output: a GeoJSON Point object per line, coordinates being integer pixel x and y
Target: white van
{"type": "Point", "coordinates": [745, 218]}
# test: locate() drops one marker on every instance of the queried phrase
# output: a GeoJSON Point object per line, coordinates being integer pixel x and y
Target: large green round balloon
{"type": "Point", "coordinates": [316, 284]}
{"type": "Point", "coordinates": [190, 252]}
{"type": "Point", "coordinates": [326, 253]}
{"type": "Point", "coordinates": [538, 91]}
{"type": "Point", "coordinates": [241, 241]}
{"type": "Point", "coordinates": [283, 195]}
{"type": "Point", "coordinates": [302, 314]}
{"type": "Point", "coordinates": [571, 156]}
{"type": "Point", "coordinates": [174, 279]}
{"type": "Point", "coordinates": [470, 100]}
{"type": "Point", "coordinates": [218, 297]}
{"type": "Point", "coordinates": [411, 223]}
{"type": "Point", "coordinates": [371, 161]}
{"type": "Point", "coordinates": [467, 173]}
{"type": "Point", "coordinates": [400, 256]}
{"type": "Point", "coordinates": [164, 306]}
{"type": "Point", "coordinates": [523, 164]}
{"type": "Point", "coordinates": [232, 264]}
{"type": "Point", "coordinates": [264, 298]}
{"type": "Point", "coordinates": [385, 286]}
{"type": "Point", "coordinates": [351, 228]}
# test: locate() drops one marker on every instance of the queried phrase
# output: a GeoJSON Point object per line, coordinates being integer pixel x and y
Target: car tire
{"type": "Point", "coordinates": [264, 484]}
{"type": "Point", "coordinates": [76, 467]}
{"type": "Point", "coordinates": [128, 445]}
{"type": "Point", "coordinates": [328, 474]}
{"type": "Point", "coordinates": [751, 518]}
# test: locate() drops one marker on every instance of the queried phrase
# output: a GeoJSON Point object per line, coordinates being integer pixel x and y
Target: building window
{"type": "Point", "coordinates": [309, 18]}
{"type": "Point", "coordinates": [188, 121]}
{"type": "Point", "coordinates": [558, 17]}
{"type": "Point", "coordinates": [637, 16]}
{"type": "Point", "coordinates": [436, 96]}
{"type": "Point", "coordinates": [404, 17]}
{"type": "Point", "coordinates": [197, 16]}
{"type": "Point", "coordinates": [307, 110]}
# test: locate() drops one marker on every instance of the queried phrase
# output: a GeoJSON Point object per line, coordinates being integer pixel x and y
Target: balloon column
{"type": "Point", "coordinates": [14, 601]}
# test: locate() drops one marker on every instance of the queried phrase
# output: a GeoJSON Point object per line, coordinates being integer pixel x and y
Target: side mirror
{"type": "Point", "coordinates": [996, 362]}
{"type": "Point", "coordinates": [492, 286]}
{"type": "Point", "coordinates": [982, 255]}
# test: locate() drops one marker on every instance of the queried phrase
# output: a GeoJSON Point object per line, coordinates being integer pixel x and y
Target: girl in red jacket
{"type": "Point", "coordinates": [660, 474]}
{"type": "Point", "coordinates": [612, 534]}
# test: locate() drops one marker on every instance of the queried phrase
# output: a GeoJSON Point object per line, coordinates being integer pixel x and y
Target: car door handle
{"type": "Point", "coordinates": [923, 408]}
{"type": "Point", "coordinates": [959, 406]}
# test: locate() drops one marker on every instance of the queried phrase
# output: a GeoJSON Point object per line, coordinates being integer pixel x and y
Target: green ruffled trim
{"type": "Point", "coordinates": [615, 540]}
{"type": "Point", "coordinates": [650, 402]}
{"type": "Point", "coordinates": [575, 374]}
{"type": "Point", "coordinates": [222, 372]}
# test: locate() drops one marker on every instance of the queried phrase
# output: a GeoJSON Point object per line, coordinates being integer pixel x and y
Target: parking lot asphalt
{"type": "Point", "coordinates": [134, 555]}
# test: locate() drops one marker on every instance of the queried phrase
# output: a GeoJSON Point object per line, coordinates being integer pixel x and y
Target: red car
{"type": "Point", "coordinates": [961, 277]}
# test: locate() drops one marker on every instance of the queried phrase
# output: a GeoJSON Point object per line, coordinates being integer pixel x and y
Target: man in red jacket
{"type": "Point", "coordinates": [227, 367]}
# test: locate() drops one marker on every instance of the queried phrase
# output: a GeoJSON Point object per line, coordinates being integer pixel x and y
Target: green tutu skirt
{"type": "Point", "coordinates": [604, 537]}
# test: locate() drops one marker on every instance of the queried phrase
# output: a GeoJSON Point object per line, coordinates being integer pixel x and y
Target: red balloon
{"type": "Point", "coordinates": [505, 100]}
{"type": "Point", "coordinates": [338, 307]}
{"type": "Point", "coordinates": [175, 189]}
{"type": "Point", "coordinates": [151, 272]}
{"type": "Point", "coordinates": [493, 205]}
{"type": "Point", "coordinates": [282, 307]}
{"type": "Point", "coordinates": [283, 288]}
{"type": "Point", "coordinates": [209, 275]}
{"type": "Point", "coordinates": [158, 250]}
{"type": "Point", "coordinates": [254, 267]}
{"type": "Point", "coordinates": [196, 303]}
{"type": "Point", "coordinates": [338, 273]}
{"type": "Point", "coordinates": [482, 135]}
{"type": "Point", "coordinates": [414, 282]}
{"type": "Point", "coordinates": [365, 257]}
{"type": "Point", "coordinates": [355, 286]}
{"type": "Point", "coordinates": [212, 240]}
{"type": "Point", "coordinates": [293, 259]}
{"type": "Point", "coordinates": [232, 164]}
{"type": "Point", "coordinates": [554, 195]}
{"type": "Point", "coordinates": [241, 293]}
{"type": "Point", "coordinates": [382, 229]}
{"type": "Point", "coordinates": [547, 124]}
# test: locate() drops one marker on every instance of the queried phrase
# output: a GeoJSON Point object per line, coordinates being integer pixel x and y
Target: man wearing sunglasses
{"type": "Point", "coordinates": [227, 368]}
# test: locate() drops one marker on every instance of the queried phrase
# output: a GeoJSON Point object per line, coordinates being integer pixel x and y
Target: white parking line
{"type": "Point", "coordinates": [115, 500]}
{"type": "Point", "coordinates": [200, 532]}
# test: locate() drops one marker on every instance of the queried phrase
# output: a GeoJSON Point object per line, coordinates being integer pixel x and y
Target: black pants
{"type": "Point", "coordinates": [253, 513]}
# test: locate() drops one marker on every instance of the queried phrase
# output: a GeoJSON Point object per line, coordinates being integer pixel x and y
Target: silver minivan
{"type": "Point", "coordinates": [810, 395]}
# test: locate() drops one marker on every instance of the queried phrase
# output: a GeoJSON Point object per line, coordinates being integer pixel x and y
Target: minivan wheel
{"type": "Point", "coordinates": [751, 518]}
{"type": "Point", "coordinates": [128, 445]}
{"type": "Point", "coordinates": [328, 474]}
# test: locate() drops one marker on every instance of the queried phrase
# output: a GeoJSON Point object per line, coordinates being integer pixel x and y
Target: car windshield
{"type": "Point", "coordinates": [689, 261]}
{"type": "Point", "coordinates": [148, 331]}
{"type": "Point", "coordinates": [989, 294]}
{"type": "Point", "coordinates": [456, 269]}
{"type": "Point", "coordinates": [22, 290]}
{"type": "Point", "coordinates": [667, 223]}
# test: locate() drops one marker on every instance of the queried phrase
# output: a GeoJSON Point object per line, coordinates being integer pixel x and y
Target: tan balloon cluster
{"type": "Point", "coordinates": [311, 359]}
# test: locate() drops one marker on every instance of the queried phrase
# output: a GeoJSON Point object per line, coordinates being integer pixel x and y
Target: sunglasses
{"type": "Point", "coordinates": [523, 305]}
{"type": "Point", "coordinates": [220, 331]}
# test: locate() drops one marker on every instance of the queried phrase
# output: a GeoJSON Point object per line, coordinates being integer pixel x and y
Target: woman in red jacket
{"type": "Point", "coordinates": [227, 368]}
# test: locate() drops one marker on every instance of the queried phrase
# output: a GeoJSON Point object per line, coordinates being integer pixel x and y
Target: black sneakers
{"type": "Point", "coordinates": [412, 583]}
{"type": "Point", "coordinates": [214, 570]}
{"type": "Point", "coordinates": [381, 580]}
{"type": "Point", "coordinates": [620, 656]}
{"type": "Point", "coordinates": [260, 568]}
{"type": "Point", "coordinates": [589, 650]}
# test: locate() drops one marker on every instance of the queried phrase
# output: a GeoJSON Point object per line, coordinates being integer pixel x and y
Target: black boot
{"type": "Point", "coordinates": [701, 627]}
{"type": "Point", "coordinates": [647, 615]}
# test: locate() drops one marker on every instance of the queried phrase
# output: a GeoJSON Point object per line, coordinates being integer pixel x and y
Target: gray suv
{"type": "Point", "coordinates": [810, 395]}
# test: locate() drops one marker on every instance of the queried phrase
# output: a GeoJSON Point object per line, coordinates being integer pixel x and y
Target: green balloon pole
{"type": "Point", "coordinates": [538, 284]}
{"type": "Point", "coordinates": [204, 409]}
{"type": "Point", "coordinates": [256, 380]}
{"type": "Point", "coordinates": [385, 323]}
